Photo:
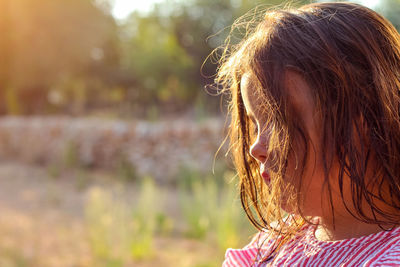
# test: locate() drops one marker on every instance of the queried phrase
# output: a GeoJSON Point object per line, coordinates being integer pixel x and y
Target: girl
{"type": "Point", "coordinates": [315, 136]}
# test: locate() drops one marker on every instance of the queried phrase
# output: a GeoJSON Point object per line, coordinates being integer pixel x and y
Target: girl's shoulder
{"type": "Point", "coordinates": [263, 243]}
{"type": "Point", "coordinates": [251, 253]}
{"type": "Point", "coordinates": [379, 249]}
{"type": "Point", "coordinates": [386, 252]}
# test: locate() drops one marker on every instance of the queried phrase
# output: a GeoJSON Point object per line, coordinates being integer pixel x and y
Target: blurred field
{"type": "Point", "coordinates": [65, 212]}
{"type": "Point", "coordinates": [84, 217]}
{"type": "Point", "coordinates": [132, 148]}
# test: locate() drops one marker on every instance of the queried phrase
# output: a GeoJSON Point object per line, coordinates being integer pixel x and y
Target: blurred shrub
{"type": "Point", "coordinates": [232, 226]}
{"type": "Point", "coordinates": [11, 258]}
{"type": "Point", "coordinates": [391, 10]}
{"type": "Point", "coordinates": [125, 169]}
{"type": "Point", "coordinates": [122, 232]}
{"type": "Point", "coordinates": [199, 206]}
{"type": "Point", "coordinates": [212, 210]}
{"type": "Point", "coordinates": [145, 220]}
{"type": "Point", "coordinates": [71, 155]}
{"type": "Point", "coordinates": [72, 57]}
{"type": "Point", "coordinates": [47, 42]}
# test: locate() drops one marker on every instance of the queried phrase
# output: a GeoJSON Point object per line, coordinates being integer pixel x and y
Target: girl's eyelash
{"type": "Point", "coordinates": [255, 130]}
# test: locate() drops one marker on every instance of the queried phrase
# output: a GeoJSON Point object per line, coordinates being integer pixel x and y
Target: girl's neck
{"type": "Point", "coordinates": [347, 229]}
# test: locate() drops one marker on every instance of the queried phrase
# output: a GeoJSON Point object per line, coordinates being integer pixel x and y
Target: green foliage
{"type": "Point", "coordinates": [147, 65]}
{"type": "Point", "coordinates": [145, 220]}
{"type": "Point", "coordinates": [211, 210]}
{"type": "Point", "coordinates": [232, 223]}
{"type": "Point", "coordinates": [125, 169]}
{"type": "Point", "coordinates": [391, 10]}
{"type": "Point", "coordinates": [82, 180]}
{"type": "Point", "coordinates": [12, 258]}
{"type": "Point", "coordinates": [164, 224]}
{"type": "Point", "coordinates": [12, 103]}
{"type": "Point", "coordinates": [71, 155]}
{"type": "Point", "coordinates": [120, 231]}
{"type": "Point", "coordinates": [47, 40]}
{"type": "Point", "coordinates": [154, 54]}
{"type": "Point", "coordinates": [199, 207]}
{"type": "Point", "coordinates": [153, 59]}
{"type": "Point", "coordinates": [53, 170]}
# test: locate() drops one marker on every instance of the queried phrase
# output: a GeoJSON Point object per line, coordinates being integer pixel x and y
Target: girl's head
{"type": "Point", "coordinates": [315, 105]}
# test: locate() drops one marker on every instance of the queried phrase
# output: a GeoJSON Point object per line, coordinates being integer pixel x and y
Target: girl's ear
{"type": "Point", "coordinates": [301, 99]}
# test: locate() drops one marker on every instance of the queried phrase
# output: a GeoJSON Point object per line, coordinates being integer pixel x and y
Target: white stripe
{"type": "Point", "coordinates": [340, 254]}
{"type": "Point", "coordinates": [244, 260]}
{"type": "Point", "coordinates": [385, 247]}
{"type": "Point", "coordinates": [294, 255]}
{"type": "Point", "coordinates": [361, 253]}
{"type": "Point", "coordinates": [382, 248]}
{"type": "Point", "coordinates": [289, 249]}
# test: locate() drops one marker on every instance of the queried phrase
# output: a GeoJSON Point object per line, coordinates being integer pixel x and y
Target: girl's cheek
{"type": "Point", "coordinates": [263, 138]}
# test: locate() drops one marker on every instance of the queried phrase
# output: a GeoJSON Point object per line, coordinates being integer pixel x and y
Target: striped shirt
{"type": "Point", "coordinates": [379, 249]}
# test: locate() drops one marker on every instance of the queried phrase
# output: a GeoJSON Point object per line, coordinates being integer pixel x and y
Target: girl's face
{"type": "Point", "coordinates": [300, 98]}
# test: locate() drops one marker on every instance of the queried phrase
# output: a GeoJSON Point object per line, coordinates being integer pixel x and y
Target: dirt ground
{"type": "Point", "coordinates": [42, 222]}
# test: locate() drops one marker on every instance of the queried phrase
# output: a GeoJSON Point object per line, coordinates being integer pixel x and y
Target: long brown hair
{"type": "Point", "coordinates": [350, 57]}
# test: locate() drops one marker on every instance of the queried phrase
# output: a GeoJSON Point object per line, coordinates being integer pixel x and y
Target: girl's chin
{"type": "Point", "coordinates": [288, 208]}
{"type": "Point", "coordinates": [287, 205]}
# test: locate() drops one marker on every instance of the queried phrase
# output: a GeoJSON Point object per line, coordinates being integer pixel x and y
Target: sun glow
{"type": "Point", "coordinates": [370, 3]}
{"type": "Point", "coordinates": [122, 8]}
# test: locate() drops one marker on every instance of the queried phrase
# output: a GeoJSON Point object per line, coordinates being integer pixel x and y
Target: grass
{"type": "Point", "coordinates": [121, 231]}
{"type": "Point", "coordinates": [198, 207]}
{"type": "Point", "coordinates": [145, 220]}
{"type": "Point", "coordinates": [211, 209]}
{"type": "Point", "coordinates": [232, 227]}
{"type": "Point", "coordinates": [12, 258]}
{"type": "Point", "coordinates": [127, 224]}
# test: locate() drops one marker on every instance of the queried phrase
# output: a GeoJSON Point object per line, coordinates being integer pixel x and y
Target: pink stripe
{"type": "Point", "coordinates": [235, 256]}
{"type": "Point", "coordinates": [365, 251]}
{"type": "Point", "coordinates": [293, 256]}
{"type": "Point", "coordinates": [305, 261]}
{"type": "Point", "coordinates": [381, 252]}
{"type": "Point", "coordinates": [254, 241]}
{"type": "Point", "coordinates": [319, 258]}
{"type": "Point", "coordinates": [238, 261]}
{"type": "Point", "coordinates": [379, 249]}
{"type": "Point", "coordinates": [243, 259]}
{"type": "Point", "coordinates": [250, 255]}
{"type": "Point", "coordinates": [390, 262]}
{"type": "Point", "coordinates": [394, 254]}
{"type": "Point", "coordinates": [293, 249]}
{"type": "Point", "coordinates": [226, 262]}
{"type": "Point", "coordinates": [343, 252]}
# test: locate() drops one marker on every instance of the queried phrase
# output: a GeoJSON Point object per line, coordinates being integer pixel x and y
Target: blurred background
{"type": "Point", "coordinates": [108, 137]}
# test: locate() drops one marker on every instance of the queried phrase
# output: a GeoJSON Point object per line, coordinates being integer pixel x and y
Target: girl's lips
{"type": "Point", "coordinates": [264, 174]}
{"type": "Point", "coordinates": [266, 177]}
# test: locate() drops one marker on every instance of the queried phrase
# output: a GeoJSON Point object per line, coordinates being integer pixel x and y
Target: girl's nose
{"type": "Point", "coordinates": [259, 151]}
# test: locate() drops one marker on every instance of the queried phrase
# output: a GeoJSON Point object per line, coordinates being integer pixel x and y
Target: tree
{"type": "Point", "coordinates": [391, 10]}
{"type": "Point", "coordinates": [52, 40]}
{"type": "Point", "coordinates": [167, 47]}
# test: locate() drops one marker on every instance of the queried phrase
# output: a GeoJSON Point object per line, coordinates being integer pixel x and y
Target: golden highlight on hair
{"type": "Point", "coordinates": [350, 57]}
